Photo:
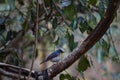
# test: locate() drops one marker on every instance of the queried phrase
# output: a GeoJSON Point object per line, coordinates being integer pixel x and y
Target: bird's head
{"type": "Point", "coordinates": [61, 50]}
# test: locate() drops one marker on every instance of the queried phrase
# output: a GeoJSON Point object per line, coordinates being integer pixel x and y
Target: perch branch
{"type": "Point", "coordinates": [88, 43]}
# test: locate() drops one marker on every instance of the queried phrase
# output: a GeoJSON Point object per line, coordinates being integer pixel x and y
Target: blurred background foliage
{"type": "Point", "coordinates": [62, 24]}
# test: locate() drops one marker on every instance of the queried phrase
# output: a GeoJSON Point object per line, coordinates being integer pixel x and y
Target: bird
{"type": "Point", "coordinates": [54, 56]}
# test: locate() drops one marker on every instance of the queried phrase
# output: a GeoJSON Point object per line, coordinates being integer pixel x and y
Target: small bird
{"type": "Point", "coordinates": [54, 56]}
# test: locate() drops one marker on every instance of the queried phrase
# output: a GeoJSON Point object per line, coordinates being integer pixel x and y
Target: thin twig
{"type": "Point", "coordinates": [45, 7]}
{"type": "Point", "coordinates": [36, 39]}
{"type": "Point", "coordinates": [20, 12]}
{"type": "Point", "coordinates": [113, 44]}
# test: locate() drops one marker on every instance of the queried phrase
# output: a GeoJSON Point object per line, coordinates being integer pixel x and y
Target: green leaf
{"type": "Point", "coordinates": [47, 2]}
{"type": "Point", "coordinates": [74, 24]}
{"type": "Point", "coordinates": [116, 59]}
{"type": "Point", "coordinates": [69, 11]}
{"type": "Point", "coordinates": [105, 46]}
{"type": "Point", "coordinates": [66, 77]}
{"type": "Point", "coordinates": [103, 49]}
{"type": "Point", "coordinates": [21, 2]}
{"type": "Point", "coordinates": [101, 8]}
{"type": "Point", "coordinates": [92, 2]}
{"type": "Point", "coordinates": [40, 33]}
{"type": "Point", "coordinates": [83, 64]}
{"type": "Point", "coordinates": [92, 20]}
{"type": "Point", "coordinates": [11, 3]}
{"type": "Point", "coordinates": [71, 43]}
{"type": "Point", "coordinates": [33, 13]}
{"type": "Point", "coordinates": [84, 25]}
{"type": "Point", "coordinates": [83, 2]}
{"type": "Point", "coordinates": [11, 21]}
{"type": "Point", "coordinates": [2, 25]}
{"type": "Point", "coordinates": [54, 22]}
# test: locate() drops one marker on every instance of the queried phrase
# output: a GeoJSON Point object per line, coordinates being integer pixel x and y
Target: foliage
{"type": "Point", "coordinates": [66, 76]}
{"type": "Point", "coordinates": [57, 26]}
{"type": "Point", "coordinates": [83, 64]}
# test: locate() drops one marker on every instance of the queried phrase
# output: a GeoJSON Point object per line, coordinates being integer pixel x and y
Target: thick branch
{"type": "Point", "coordinates": [5, 73]}
{"type": "Point", "coordinates": [95, 36]}
{"type": "Point", "coordinates": [12, 71]}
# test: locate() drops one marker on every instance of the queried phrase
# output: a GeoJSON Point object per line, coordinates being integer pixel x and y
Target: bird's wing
{"type": "Point", "coordinates": [51, 56]}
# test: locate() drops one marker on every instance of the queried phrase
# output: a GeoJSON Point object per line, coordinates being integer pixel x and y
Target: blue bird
{"type": "Point", "coordinates": [54, 56]}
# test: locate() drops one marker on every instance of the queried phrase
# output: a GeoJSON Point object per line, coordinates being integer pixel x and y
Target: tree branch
{"type": "Point", "coordinates": [88, 43]}
{"type": "Point", "coordinates": [12, 71]}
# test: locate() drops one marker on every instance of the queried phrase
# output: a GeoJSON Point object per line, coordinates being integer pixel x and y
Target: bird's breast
{"type": "Point", "coordinates": [56, 59]}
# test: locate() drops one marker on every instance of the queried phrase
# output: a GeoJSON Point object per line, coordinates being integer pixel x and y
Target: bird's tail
{"type": "Point", "coordinates": [43, 61]}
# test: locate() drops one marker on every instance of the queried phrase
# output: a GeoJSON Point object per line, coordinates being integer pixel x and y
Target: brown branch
{"type": "Point", "coordinates": [12, 71]}
{"type": "Point", "coordinates": [6, 51]}
{"type": "Point", "coordinates": [11, 75]}
{"type": "Point", "coordinates": [36, 38]}
{"type": "Point", "coordinates": [95, 36]}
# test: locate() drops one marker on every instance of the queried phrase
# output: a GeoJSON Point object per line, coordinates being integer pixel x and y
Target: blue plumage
{"type": "Point", "coordinates": [54, 56]}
